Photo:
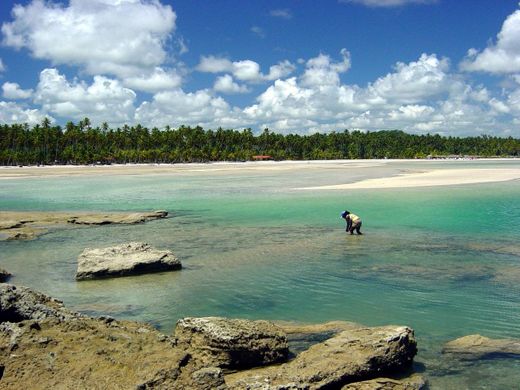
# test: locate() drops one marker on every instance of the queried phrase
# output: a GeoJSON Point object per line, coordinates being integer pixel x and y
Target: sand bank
{"type": "Point", "coordinates": [147, 169]}
{"type": "Point", "coordinates": [430, 178]}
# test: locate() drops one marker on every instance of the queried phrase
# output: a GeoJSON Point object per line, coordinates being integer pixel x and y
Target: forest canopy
{"type": "Point", "coordinates": [81, 143]}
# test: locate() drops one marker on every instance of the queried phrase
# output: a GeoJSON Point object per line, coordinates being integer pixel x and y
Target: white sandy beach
{"type": "Point", "coordinates": [435, 177]}
{"type": "Point", "coordinates": [422, 177]}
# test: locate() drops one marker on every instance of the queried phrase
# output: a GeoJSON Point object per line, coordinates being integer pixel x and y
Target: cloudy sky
{"type": "Point", "coordinates": [295, 66]}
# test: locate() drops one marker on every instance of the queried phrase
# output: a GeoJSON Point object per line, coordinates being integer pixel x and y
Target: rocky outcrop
{"type": "Point", "coordinates": [45, 345]}
{"type": "Point", "coordinates": [479, 347]}
{"type": "Point", "coordinates": [4, 275]}
{"type": "Point", "coordinates": [232, 343]}
{"type": "Point", "coordinates": [26, 225]}
{"type": "Point", "coordinates": [351, 356]}
{"type": "Point", "coordinates": [21, 303]}
{"type": "Point", "coordinates": [126, 259]}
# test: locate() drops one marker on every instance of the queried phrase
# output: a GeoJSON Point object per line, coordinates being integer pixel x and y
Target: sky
{"type": "Point", "coordinates": [449, 67]}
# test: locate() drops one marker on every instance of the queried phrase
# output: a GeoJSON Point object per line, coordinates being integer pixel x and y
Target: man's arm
{"type": "Point", "coordinates": [349, 223]}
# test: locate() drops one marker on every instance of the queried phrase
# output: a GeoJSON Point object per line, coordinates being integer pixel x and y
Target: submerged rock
{"type": "Point", "coordinates": [4, 275]}
{"type": "Point", "coordinates": [415, 382]}
{"type": "Point", "coordinates": [351, 356]}
{"type": "Point", "coordinates": [126, 259]}
{"type": "Point", "coordinates": [232, 343]}
{"type": "Point", "coordinates": [479, 347]}
{"type": "Point", "coordinates": [105, 219]}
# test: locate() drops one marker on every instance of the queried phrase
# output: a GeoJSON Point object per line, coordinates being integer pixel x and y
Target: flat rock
{"type": "Point", "coordinates": [27, 225]}
{"type": "Point", "coordinates": [4, 275]}
{"type": "Point", "coordinates": [132, 258]}
{"type": "Point", "coordinates": [479, 347]}
{"type": "Point", "coordinates": [232, 343]}
{"type": "Point", "coordinates": [351, 356]}
{"type": "Point", "coordinates": [415, 382]}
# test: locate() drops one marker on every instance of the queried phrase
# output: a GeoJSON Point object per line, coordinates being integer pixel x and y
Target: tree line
{"type": "Point", "coordinates": [81, 143]}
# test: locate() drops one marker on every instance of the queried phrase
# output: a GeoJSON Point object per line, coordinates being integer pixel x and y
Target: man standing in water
{"type": "Point", "coordinates": [353, 222]}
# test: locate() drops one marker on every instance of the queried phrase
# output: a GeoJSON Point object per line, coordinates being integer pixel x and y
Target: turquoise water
{"type": "Point", "coordinates": [443, 260]}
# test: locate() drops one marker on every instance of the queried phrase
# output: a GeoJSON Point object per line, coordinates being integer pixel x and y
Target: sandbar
{"type": "Point", "coordinates": [430, 178]}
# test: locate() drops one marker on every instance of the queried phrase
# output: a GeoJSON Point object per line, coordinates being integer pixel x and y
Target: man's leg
{"type": "Point", "coordinates": [358, 226]}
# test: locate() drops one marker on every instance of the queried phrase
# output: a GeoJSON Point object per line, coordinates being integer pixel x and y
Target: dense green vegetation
{"type": "Point", "coordinates": [81, 143]}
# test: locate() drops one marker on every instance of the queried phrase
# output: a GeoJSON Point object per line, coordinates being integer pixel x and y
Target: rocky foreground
{"type": "Point", "coordinates": [45, 345]}
{"type": "Point", "coordinates": [27, 225]}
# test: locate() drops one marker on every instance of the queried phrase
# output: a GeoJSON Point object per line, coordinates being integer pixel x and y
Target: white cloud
{"type": "Point", "coordinates": [245, 70]}
{"type": "Point", "coordinates": [158, 80]}
{"type": "Point", "coordinates": [225, 84]}
{"type": "Point", "coordinates": [503, 57]}
{"type": "Point", "coordinates": [281, 13]}
{"type": "Point", "coordinates": [321, 71]}
{"type": "Point", "coordinates": [212, 64]}
{"type": "Point", "coordinates": [103, 100]}
{"type": "Point", "coordinates": [120, 37]}
{"type": "Point", "coordinates": [177, 107]}
{"type": "Point", "coordinates": [2, 66]}
{"type": "Point", "coordinates": [258, 31]}
{"type": "Point", "coordinates": [13, 91]}
{"type": "Point", "coordinates": [11, 112]}
{"type": "Point", "coordinates": [388, 3]}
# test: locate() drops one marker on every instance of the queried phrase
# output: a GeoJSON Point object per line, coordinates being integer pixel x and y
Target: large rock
{"type": "Point", "coordinates": [4, 275]}
{"type": "Point", "coordinates": [126, 259]}
{"type": "Point", "coordinates": [105, 219]}
{"type": "Point", "coordinates": [351, 356]}
{"type": "Point", "coordinates": [232, 343]}
{"type": "Point", "coordinates": [479, 347]}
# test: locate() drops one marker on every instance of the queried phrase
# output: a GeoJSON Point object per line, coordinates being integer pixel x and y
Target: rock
{"type": "Point", "coordinates": [27, 225]}
{"type": "Point", "coordinates": [415, 382]}
{"type": "Point", "coordinates": [351, 356]}
{"type": "Point", "coordinates": [21, 303]}
{"type": "Point", "coordinates": [4, 275]}
{"type": "Point", "coordinates": [232, 343]}
{"type": "Point", "coordinates": [479, 347]}
{"type": "Point", "coordinates": [100, 219]}
{"type": "Point", "coordinates": [126, 259]}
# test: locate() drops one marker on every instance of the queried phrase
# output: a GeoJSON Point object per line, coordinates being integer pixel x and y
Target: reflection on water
{"type": "Point", "coordinates": [445, 261]}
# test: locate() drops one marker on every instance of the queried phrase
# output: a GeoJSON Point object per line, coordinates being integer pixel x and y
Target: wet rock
{"type": "Point", "coordinates": [4, 275]}
{"type": "Point", "coordinates": [479, 347]}
{"type": "Point", "coordinates": [126, 259]}
{"type": "Point", "coordinates": [415, 382]}
{"type": "Point", "coordinates": [21, 303]}
{"type": "Point", "coordinates": [105, 219]}
{"type": "Point", "coordinates": [232, 343]}
{"type": "Point", "coordinates": [351, 356]}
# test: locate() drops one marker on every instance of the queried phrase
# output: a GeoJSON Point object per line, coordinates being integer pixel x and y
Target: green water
{"type": "Point", "coordinates": [443, 260]}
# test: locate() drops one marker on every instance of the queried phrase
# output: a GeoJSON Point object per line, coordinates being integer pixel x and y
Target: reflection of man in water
{"type": "Point", "coordinates": [353, 222]}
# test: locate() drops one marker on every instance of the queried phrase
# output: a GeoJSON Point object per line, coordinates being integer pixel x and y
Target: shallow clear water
{"type": "Point", "coordinates": [443, 260]}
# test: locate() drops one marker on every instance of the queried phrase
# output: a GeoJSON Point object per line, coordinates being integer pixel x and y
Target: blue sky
{"type": "Point", "coordinates": [301, 66]}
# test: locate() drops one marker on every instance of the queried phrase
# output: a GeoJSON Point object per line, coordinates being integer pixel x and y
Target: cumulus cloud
{"type": "Point", "coordinates": [11, 112]}
{"type": "Point", "coordinates": [245, 70]}
{"type": "Point", "coordinates": [190, 108]}
{"type": "Point", "coordinates": [103, 100]}
{"type": "Point", "coordinates": [13, 91]}
{"type": "Point", "coordinates": [119, 37]}
{"type": "Point", "coordinates": [387, 3]}
{"type": "Point", "coordinates": [501, 57]}
{"type": "Point", "coordinates": [158, 80]}
{"type": "Point", "coordinates": [225, 84]}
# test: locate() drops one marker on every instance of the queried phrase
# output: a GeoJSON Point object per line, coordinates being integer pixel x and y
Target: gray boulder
{"type": "Point", "coordinates": [126, 259]}
{"type": "Point", "coordinates": [351, 356]}
{"type": "Point", "coordinates": [232, 343]}
{"type": "Point", "coordinates": [476, 346]}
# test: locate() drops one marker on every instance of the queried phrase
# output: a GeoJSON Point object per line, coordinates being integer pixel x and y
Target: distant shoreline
{"type": "Point", "coordinates": [426, 177]}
